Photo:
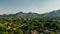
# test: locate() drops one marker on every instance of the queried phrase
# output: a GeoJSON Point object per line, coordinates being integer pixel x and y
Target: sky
{"type": "Point", "coordinates": [35, 6]}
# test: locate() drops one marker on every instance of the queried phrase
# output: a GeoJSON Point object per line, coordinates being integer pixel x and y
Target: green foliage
{"type": "Point", "coordinates": [25, 25]}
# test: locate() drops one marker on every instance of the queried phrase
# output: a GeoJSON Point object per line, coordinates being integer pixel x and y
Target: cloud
{"type": "Point", "coordinates": [36, 6]}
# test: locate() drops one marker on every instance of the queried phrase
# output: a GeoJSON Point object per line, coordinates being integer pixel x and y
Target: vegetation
{"type": "Point", "coordinates": [29, 25]}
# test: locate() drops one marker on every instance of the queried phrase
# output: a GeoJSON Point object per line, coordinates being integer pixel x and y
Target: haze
{"type": "Point", "coordinates": [35, 6]}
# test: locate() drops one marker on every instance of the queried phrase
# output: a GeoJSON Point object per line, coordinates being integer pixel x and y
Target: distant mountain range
{"type": "Point", "coordinates": [55, 13]}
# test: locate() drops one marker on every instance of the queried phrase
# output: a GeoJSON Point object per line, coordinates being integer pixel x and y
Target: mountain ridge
{"type": "Point", "coordinates": [55, 13]}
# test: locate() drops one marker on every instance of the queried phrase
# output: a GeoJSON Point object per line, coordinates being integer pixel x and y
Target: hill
{"type": "Point", "coordinates": [55, 13]}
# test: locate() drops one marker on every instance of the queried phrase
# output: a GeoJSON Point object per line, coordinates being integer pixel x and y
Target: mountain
{"type": "Point", "coordinates": [22, 15]}
{"type": "Point", "coordinates": [27, 15]}
{"type": "Point", "coordinates": [55, 13]}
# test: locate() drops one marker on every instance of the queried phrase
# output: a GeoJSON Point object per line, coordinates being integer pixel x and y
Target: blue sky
{"type": "Point", "coordinates": [36, 6]}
